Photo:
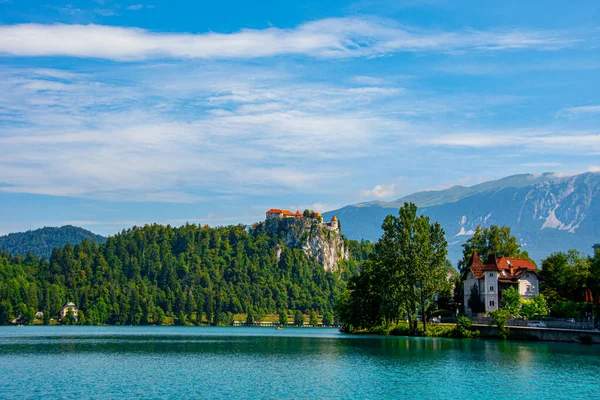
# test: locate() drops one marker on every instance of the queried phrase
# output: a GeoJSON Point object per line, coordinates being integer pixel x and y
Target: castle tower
{"type": "Point", "coordinates": [334, 223]}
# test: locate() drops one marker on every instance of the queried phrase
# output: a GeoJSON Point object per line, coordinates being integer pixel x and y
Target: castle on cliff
{"type": "Point", "coordinates": [276, 213]}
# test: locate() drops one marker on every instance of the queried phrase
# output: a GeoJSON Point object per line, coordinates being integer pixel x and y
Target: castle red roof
{"type": "Point", "coordinates": [278, 211]}
{"type": "Point", "coordinates": [334, 218]}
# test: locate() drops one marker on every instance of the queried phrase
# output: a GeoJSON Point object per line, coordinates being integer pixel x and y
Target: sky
{"type": "Point", "coordinates": [122, 113]}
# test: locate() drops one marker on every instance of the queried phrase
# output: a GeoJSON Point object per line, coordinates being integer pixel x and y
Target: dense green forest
{"type": "Point", "coordinates": [41, 242]}
{"type": "Point", "coordinates": [188, 274]}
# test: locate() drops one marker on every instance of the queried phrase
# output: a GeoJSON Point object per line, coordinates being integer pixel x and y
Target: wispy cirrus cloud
{"type": "Point", "coordinates": [577, 142]}
{"type": "Point", "coordinates": [578, 111]}
{"type": "Point", "coordinates": [326, 38]}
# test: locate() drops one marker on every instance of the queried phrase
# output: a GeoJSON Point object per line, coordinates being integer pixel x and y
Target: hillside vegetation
{"type": "Point", "coordinates": [41, 242]}
{"type": "Point", "coordinates": [190, 274]}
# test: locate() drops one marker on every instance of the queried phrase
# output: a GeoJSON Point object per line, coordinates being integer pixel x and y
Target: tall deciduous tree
{"type": "Point", "coordinates": [405, 273]}
{"type": "Point", "coordinates": [493, 240]}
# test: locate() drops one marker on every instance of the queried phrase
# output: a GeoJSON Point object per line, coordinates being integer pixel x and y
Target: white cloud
{"type": "Point", "coordinates": [329, 38]}
{"type": "Point", "coordinates": [135, 7]}
{"type": "Point", "coordinates": [533, 140]}
{"type": "Point", "coordinates": [382, 191]}
{"type": "Point", "coordinates": [594, 168]}
{"type": "Point", "coordinates": [578, 111]}
{"type": "Point", "coordinates": [541, 164]}
{"type": "Point", "coordinates": [367, 80]}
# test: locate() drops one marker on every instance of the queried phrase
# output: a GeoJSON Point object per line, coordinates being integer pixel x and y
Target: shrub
{"type": "Point", "coordinates": [499, 318]}
{"type": "Point", "coordinates": [464, 329]}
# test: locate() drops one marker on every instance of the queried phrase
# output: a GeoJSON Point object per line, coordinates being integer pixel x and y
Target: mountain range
{"type": "Point", "coordinates": [41, 242]}
{"type": "Point", "coordinates": [546, 212]}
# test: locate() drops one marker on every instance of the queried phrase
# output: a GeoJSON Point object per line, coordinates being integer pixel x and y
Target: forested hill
{"type": "Point", "coordinates": [190, 273]}
{"type": "Point", "coordinates": [41, 242]}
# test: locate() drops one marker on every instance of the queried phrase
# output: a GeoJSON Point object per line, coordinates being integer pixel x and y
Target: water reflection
{"type": "Point", "coordinates": [302, 363]}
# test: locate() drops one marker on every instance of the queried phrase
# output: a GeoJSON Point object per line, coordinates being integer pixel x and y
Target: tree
{"type": "Point", "coordinates": [403, 276]}
{"type": "Point", "coordinates": [534, 308]}
{"type": "Point", "coordinates": [493, 240]}
{"type": "Point", "coordinates": [565, 276]}
{"type": "Point", "coordinates": [412, 252]}
{"type": "Point", "coordinates": [69, 317]}
{"type": "Point", "coordinates": [250, 317]}
{"type": "Point", "coordinates": [159, 316]}
{"type": "Point", "coordinates": [446, 299]}
{"type": "Point", "coordinates": [475, 303]}
{"type": "Point", "coordinates": [314, 320]}
{"type": "Point", "coordinates": [327, 319]}
{"type": "Point", "coordinates": [283, 319]}
{"type": "Point", "coordinates": [81, 320]}
{"type": "Point", "coordinates": [298, 318]}
{"type": "Point", "coordinates": [499, 318]}
{"type": "Point", "coordinates": [511, 301]}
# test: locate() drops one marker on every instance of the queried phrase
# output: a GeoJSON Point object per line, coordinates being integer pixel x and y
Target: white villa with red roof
{"type": "Point", "coordinates": [496, 275]}
{"type": "Point", "coordinates": [276, 213]}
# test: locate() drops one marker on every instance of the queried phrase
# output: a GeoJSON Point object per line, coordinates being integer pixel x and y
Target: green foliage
{"type": "Point", "coordinates": [511, 301]}
{"type": "Point", "coordinates": [314, 320]}
{"type": "Point", "coordinates": [447, 299]}
{"type": "Point", "coordinates": [328, 319]}
{"type": "Point", "coordinates": [404, 274]}
{"type": "Point", "coordinates": [41, 242]}
{"type": "Point", "coordinates": [283, 319]}
{"type": "Point", "coordinates": [69, 318]}
{"type": "Point", "coordinates": [160, 274]}
{"type": "Point", "coordinates": [499, 318]}
{"type": "Point", "coordinates": [475, 303]}
{"type": "Point", "coordinates": [464, 329]}
{"type": "Point", "coordinates": [298, 318]}
{"type": "Point", "coordinates": [534, 308]}
{"type": "Point", "coordinates": [565, 276]}
{"type": "Point", "coordinates": [493, 240]}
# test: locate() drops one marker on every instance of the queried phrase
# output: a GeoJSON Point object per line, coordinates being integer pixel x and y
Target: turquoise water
{"type": "Point", "coordinates": [252, 363]}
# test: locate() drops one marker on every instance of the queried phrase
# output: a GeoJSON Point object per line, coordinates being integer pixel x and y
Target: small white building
{"type": "Point", "coordinates": [496, 275]}
{"type": "Point", "coordinates": [69, 306]}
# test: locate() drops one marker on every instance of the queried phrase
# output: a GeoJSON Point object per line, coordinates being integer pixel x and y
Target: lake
{"type": "Point", "coordinates": [299, 363]}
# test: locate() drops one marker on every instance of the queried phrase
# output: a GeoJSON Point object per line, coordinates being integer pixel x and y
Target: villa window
{"type": "Point", "coordinates": [491, 274]}
{"type": "Point", "coordinates": [491, 288]}
{"type": "Point", "coordinates": [527, 275]}
{"type": "Point", "coordinates": [491, 303]}
{"type": "Point", "coordinates": [529, 288]}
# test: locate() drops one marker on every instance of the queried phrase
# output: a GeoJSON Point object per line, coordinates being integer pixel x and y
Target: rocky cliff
{"type": "Point", "coordinates": [327, 246]}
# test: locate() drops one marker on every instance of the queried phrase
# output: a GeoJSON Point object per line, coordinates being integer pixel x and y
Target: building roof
{"type": "Point", "coordinates": [509, 269]}
{"type": "Point", "coordinates": [297, 214]}
{"type": "Point", "coordinates": [334, 218]}
{"type": "Point", "coordinates": [278, 211]}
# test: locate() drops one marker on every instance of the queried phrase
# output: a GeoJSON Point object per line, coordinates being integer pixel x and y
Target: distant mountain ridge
{"type": "Point", "coordinates": [546, 212]}
{"type": "Point", "coordinates": [41, 242]}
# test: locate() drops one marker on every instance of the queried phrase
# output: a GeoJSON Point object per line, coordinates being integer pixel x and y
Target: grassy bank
{"type": "Point", "coordinates": [462, 330]}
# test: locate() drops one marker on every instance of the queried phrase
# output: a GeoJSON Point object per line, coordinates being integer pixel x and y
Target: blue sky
{"type": "Point", "coordinates": [115, 114]}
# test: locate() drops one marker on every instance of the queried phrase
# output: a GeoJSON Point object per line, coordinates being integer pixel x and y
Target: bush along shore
{"type": "Point", "coordinates": [462, 330]}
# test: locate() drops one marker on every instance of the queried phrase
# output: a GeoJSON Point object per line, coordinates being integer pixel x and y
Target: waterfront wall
{"type": "Point", "coordinates": [543, 334]}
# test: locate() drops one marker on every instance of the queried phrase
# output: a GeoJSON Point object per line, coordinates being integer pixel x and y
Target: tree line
{"type": "Point", "coordinates": [191, 274]}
